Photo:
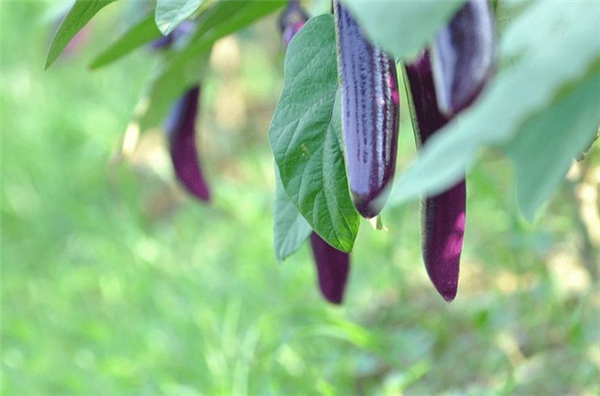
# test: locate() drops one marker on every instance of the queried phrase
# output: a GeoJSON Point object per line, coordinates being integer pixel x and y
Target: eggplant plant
{"type": "Point", "coordinates": [510, 78]}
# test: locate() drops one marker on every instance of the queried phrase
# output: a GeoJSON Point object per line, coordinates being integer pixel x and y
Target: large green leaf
{"type": "Point", "coordinates": [546, 145]}
{"type": "Point", "coordinates": [304, 135]}
{"type": "Point", "coordinates": [79, 15]}
{"type": "Point", "coordinates": [183, 68]}
{"type": "Point", "coordinates": [404, 27]}
{"type": "Point", "coordinates": [549, 47]}
{"type": "Point", "coordinates": [170, 13]}
{"type": "Point", "coordinates": [143, 32]}
{"type": "Point", "coordinates": [290, 228]}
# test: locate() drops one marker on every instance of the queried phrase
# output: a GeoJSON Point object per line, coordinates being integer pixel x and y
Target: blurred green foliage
{"type": "Point", "coordinates": [115, 283]}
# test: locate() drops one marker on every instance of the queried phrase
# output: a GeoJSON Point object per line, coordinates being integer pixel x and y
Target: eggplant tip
{"type": "Point", "coordinates": [333, 298]}
{"type": "Point", "coordinates": [448, 293]}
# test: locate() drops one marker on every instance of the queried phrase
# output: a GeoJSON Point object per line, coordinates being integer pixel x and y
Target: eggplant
{"type": "Point", "coordinates": [332, 269]}
{"type": "Point", "coordinates": [181, 131]}
{"type": "Point", "coordinates": [291, 20]}
{"type": "Point", "coordinates": [443, 215]}
{"type": "Point", "coordinates": [370, 114]}
{"type": "Point", "coordinates": [184, 30]}
{"type": "Point", "coordinates": [463, 56]}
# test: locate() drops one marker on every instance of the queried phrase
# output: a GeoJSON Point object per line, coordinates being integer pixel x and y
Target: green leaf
{"type": "Point", "coordinates": [548, 46]}
{"type": "Point", "coordinates": [166, 86]}
{"type": "Point", "coordinates": [183, 68]}
{"type": "Point", "coordinates": [304, 135]}
{"type": "Point", "coordinates": [143, 32]}
{"type": "Point", "coordinates": [290, 228]}
{"type": "Point", "coordinates": [402, 28]}
{"type": "Point", "coordinates": [547, 144]}
{"type": "Point", "coordinates": [170, 13]}
{"type": "Point", "coordinates": [79, 15]}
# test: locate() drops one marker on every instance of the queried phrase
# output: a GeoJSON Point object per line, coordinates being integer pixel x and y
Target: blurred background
{"type": "Point", "coordinates": [115, 282]}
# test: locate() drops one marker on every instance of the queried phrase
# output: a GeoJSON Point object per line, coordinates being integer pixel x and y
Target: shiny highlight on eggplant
{"type": "Point", "coordinates": [370, 114]}
{"type": "Point", "coordinates": [181, 132]}
{"type": "Point", "coordinates": [443, 216]}
{"type": "Point", "coordinates": [463, 56]}
{"type": "Point", "coordinates": [333, 267]}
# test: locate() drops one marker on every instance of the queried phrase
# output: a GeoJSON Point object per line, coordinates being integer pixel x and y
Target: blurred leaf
{"type": "Point", "coordinates": [181, 71]}
{"type": "Point", "coordinates": [141, 33]}
{"type": "Point", "coordinates": [547, 144]}
{"type": "Point", "coordinates": [545, 60]}
{"type": "Point", "coordinates": [304, 135]}
{"type": "Point", "coordinates": [170, 13]}
{"type": "Point", "coordinates": [81, 13]}
{"type": "Point", "coordinates": [290, 228]}
{"type": "Point", "coordinates": [402, 28]}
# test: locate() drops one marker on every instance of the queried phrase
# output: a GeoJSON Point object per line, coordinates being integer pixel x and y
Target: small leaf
{"type": "Point", "coordinates": [141, 33]}
{"type": "Point", "coordinates": [305, 135]}
{"type": "Point", "coordinates": [548, 143]}
{"type": "Point", "coordinates": [79, 15]}
{"type": "Point", "coordinates": [170, 13]}
{"type": "Point", "coordinates": [402, 28]}
{"type": "Point", "coordinates": [290, 228]}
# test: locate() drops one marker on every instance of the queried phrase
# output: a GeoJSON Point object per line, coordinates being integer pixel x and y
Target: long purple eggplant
{"type": "Point", "coordinates": [463, 56]}
{"type": "Point", "coordinates": [443, 215]}
{"type": "Point", "coordinates": [370, 114]}
{"type": "Point", "coordinates": [181, 131]}
{"type": "Point", "coordinates": [332, 265]}
{"type": "Point", "coordinates": [291, 20]}
{"type": "Point", "coordinates": [332, 269]}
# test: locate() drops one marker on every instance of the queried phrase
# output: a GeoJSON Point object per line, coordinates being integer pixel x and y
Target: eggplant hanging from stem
{"type": "Point", "coordinates": [370, 114]}
{"type": "Point", "coordinates": [181, 131]}
{"type": "Point", "coordinates": [463, 56]}
{"type": "Point", "coordinates": [440, 89]}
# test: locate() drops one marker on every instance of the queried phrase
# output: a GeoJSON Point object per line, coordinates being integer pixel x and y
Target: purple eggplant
{"type": "Point", "coordinates": [291, 20]}
{"type": "Point", "coordinates": [463, 56]}
{"type": "Point", "coordinates": [332, 269]}
{"type": "Point", "coordinates": [370, 114]}
{"type": "Point", "coordinates": [181, 131]}
{"type": "Point", "coordinates": [443, 215]}
{"type": "Point", "coordinates": [181, 32]}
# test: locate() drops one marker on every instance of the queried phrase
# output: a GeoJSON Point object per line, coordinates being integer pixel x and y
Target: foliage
{"type": "Point", "coordinates": [304, 137]}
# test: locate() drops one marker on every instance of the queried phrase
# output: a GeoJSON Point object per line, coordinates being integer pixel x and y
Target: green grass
{"type": "Point", "coordinates": [115, 283]}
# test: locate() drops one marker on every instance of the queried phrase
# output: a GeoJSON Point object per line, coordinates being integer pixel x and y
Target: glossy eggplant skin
{"type": "Point", "coordinates": [333, 267]}
{"type": "Point", "coordinates": [443, 216]}
{"type": "Point", "coordinates": [370, 114]}
{"type": "Point", "coordinates": [291, 20]}
{"type": "Point", "coordinates": [463, 56]}
{"type": "Point", "coordinates": [181, 132]}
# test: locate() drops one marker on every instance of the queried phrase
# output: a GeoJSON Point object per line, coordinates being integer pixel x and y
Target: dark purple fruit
{"type": "Point", "coordinates": [463, 56]}
{"type": "Point", "coordinates": [332, 269]}
{"type": "Point", "coordinates": [291, 20]}
{"type": "Point", "coordinates": [181, 32]}
{"type": "Point", "coordinates": [370, 111]}
{"type": "Point", "coordinates": [443, 215]}
{"type": "Point", "coordinates": [181, 131]}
